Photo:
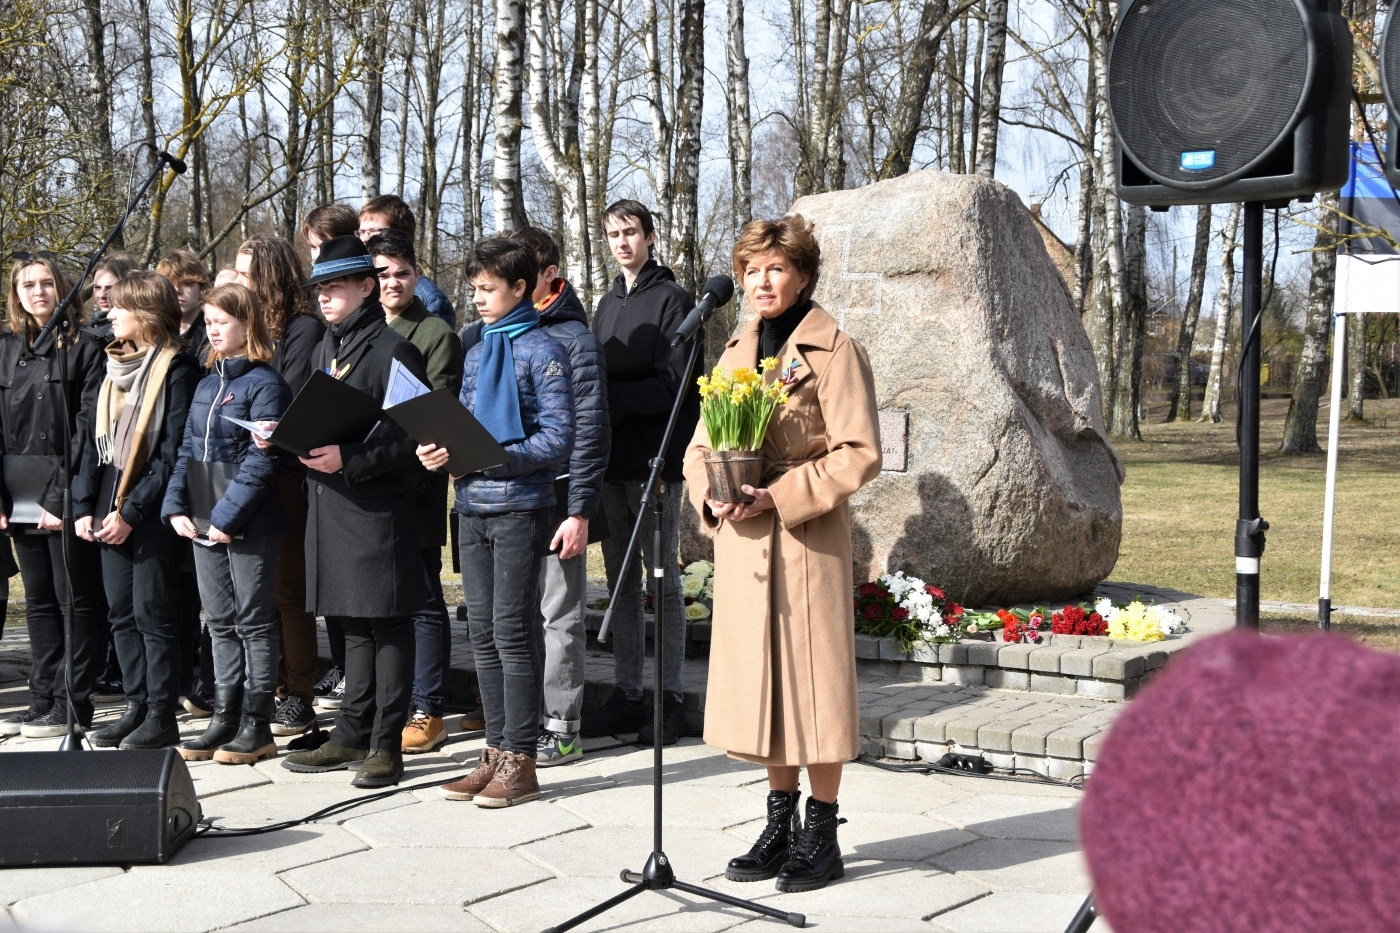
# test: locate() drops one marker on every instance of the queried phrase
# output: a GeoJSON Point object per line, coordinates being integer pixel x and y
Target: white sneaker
{"type": "Point", "coordinates": [334, 699]}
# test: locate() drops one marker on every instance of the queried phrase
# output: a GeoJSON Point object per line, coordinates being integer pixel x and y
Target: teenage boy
{"type": "Point", "coordinates": [392, 252]}
{"type": "Point", "coordinates": [363, 569]}
{"type": "Point", "coordinates": [517, 383]}
{"type": "Point", "coordinates": [326, 223]}
{"type": "Point", "coordinates": [183, 269]}
{"type": "Point", "coordinates": [644, 309]}
{"type": "Point", "coordinates": [580, 495]}
{"type": "Point", "coordinates": [388, 212]}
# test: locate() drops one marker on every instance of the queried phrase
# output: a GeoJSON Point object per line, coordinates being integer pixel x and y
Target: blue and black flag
{"type": "Point", "coordinates": [1370, 203]}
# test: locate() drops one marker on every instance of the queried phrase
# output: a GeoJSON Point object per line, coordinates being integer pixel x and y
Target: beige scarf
{"type": "Point", "coordinates": [130, 408]}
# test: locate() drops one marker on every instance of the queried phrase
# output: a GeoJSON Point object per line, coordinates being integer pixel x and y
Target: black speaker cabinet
{"type": "Point", "coordinates": [62, 808]}
{"type": "Point", "coordinates": [1216, 101]}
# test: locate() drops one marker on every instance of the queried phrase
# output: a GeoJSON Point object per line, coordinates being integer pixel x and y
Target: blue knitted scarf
{"type": "Point", "coordinates": [497, 393]}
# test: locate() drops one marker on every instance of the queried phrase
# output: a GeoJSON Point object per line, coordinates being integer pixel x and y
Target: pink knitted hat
{"type": "Point", "coordinates": [1254, 786]}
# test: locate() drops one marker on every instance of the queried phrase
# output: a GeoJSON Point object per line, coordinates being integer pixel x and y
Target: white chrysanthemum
{"type": "Point", "coordinates": [1104, 607]}
{"type": "Point", "coordinates": [942, 631]}
{"type": "Point", "coordinates": [1170, 622]}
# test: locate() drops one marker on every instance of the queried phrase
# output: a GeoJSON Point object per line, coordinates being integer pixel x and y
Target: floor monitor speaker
{"type": "Point", "coordinates": [65, 808]}
{"type": "Point", "coordinates": [1217, 101]}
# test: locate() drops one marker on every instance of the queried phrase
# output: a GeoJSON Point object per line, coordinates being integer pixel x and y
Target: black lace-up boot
{"type": "Point", "coordinates": [816, 856]}
{"type": "Point", "coordinates": [771, 850]}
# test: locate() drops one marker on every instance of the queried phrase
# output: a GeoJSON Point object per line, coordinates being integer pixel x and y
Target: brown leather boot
{"type": "Point", "coordinates": [514, 782]}
{"type": "Point", "coordinates": [473, 784]}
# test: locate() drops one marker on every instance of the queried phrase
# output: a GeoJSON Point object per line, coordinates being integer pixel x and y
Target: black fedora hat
{"type": "Point", "coordinates": [341, 257]}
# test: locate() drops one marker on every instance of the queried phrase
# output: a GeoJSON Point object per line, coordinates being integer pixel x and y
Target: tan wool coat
{"type": "Point", "coordinates": [782, 687]}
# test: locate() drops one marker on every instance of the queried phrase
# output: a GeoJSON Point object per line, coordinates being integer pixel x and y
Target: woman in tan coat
{"type": "Point", "coordinates": [782, 688]}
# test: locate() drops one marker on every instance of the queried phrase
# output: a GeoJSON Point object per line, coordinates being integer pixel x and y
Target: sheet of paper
{"type": "Point", "coordinates": [403, 385]}
{"type": "Point", "coordinates": [249, 426]}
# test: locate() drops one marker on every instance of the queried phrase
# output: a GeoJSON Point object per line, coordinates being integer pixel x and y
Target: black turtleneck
{"type": "Point", "coordinates": [774, 332]}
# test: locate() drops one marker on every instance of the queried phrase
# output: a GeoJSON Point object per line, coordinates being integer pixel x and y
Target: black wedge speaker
{"type": "Point", "coordinates": [1215, 101]}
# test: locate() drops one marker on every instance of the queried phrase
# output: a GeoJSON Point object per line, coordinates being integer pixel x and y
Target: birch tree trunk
{"type": "Point", "coordinates": [100, 94]}
{"type": "Point", "coordinates": [1083, 245]}
{"type": "Point", "coordinates": [689, 112]}
{"type": "Point", "coordinates": [974, 118]}
{"type": "Point", "coordinates": [957, 97]}
{"type": "Point", "coordinates": [1300, 426]}
{"type": "Point", "coordinates": [1356, 367]}
{"type": "Point", "coordinates": [1129, 326]}
{"type": "Point", "coordinates": [374, 26]}
{"type": "Point", "coordinates": [561, 164]}
{"type": "Point", "coordinates": [433, 24]}
{"type": "Point", "coordinates": [914, 89]}
{"type": "Point", "coordinates": [1109, 295]}
{"type": "Point", "coordinates": [1224, 306]}
{"type": "Point", "coordinates": [508, 195]}
{"type": "Point", "coordinates": [740, 122]}
{"type": "Point", "coordinates": [1186, 337]}
{"type": "Point", "coordinates": [660, 124]}
{"type": "Point", "coordinates": [989, 119]}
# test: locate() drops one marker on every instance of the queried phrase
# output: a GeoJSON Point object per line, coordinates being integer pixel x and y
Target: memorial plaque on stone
{"type": "Point", "coordinates": [894, 439]}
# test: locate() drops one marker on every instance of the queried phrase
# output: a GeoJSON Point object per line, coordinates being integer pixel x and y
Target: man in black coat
{"type": "Point", "coordinates": [643, 310]}
{"type": "Point", "coordinates": [363, 568]}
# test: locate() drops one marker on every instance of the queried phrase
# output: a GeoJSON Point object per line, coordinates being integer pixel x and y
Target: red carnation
{"type": "Point", "coordinates": [872, 612]}
{"type": "Point", "coordinates": [869, 589]}
{"type": "Point", "coordinates": [899, 614]}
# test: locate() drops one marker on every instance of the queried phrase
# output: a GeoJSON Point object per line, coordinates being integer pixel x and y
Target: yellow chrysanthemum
{"type": "Point", "coordinates": [1134, 623]}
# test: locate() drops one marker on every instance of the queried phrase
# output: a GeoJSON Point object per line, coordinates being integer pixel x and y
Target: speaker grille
{"type": "Point", "coordinates": [1222, 79]}
{"type": "Point", "coordinates": [25, 772]}
{"type": "Point", "coordinates": [1390, 61]}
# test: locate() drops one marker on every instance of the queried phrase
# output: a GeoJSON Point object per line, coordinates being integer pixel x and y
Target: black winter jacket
{"type": "Point", "coordinates": [31, 408]}
{"type": "Point", "coordinates": [566, 321]}
{"type": "Point", "coordinates": [197, 340]}
{"type": "Point", "coordinates": [250, 392]}
{"type": "Point", "coordinates": [141, 510]}
{"type": "Point", "coordinates": [646, 318]}
{"type": "Point", "coordinates": [294, 358]}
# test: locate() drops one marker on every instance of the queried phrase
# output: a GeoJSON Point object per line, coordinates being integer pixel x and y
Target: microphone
{"type": "Point", "coordinates": [177, 164]}
{"type": "Point", "coordinates": [716, 293]}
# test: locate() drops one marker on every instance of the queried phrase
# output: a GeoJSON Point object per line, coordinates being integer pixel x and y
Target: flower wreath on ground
{"type": "Point", "coordinates": [908, 610]}
{"type": "Point", "coordinates": [1136, 621]}
{"type": "Point", "coordinates": [698, 590]}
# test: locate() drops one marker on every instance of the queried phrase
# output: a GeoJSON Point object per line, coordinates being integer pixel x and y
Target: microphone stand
{"type": "Point", "coordinates": [658, 875]}
{"type": "Point", "coordinates": [62, 321]}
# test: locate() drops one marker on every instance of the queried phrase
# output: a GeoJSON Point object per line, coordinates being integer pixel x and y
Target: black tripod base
{"type": "Point", "coordinates": [657, 876]}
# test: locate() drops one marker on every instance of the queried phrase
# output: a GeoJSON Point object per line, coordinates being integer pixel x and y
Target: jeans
{"type": "Point", "coordinates": [622, 502]}
{"type": "Point", "coordinates": [432, 631]}
{"type": "Point", "coordinates": [45, 591]}
{"type": "Point", "coordinates": [563, 640]}
{"type": "Point", "coordinates": [378, 680]}
{"type": "Point", "coordinates": [500, 557]}
{"type": "Point", "coordinates": [191, 638]}
{"type": "Point", "coordinates": [238, 583]}
{"type": "Point", "coordinates": [296, 671]}
{"type": "Point", "coordinates": [141, 578]}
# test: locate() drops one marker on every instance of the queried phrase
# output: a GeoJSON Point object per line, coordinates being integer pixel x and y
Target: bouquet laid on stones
{"type": "Point", "coordinates": [908, 610]}
{"type": "Point", "coordinates": [1082, 619]}
{"type": "Point", "coordinates": [698, 590]}
{"type": "Point", "coordinates": [737, 406]}
{"type": "Point", "coordinates": [1138, 622]}
{"type": "Point", "coordinates": [1022, 625]}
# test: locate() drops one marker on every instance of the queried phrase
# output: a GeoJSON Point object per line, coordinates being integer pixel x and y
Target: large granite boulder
{"type": "Point", "coordinates": [1000, 483]}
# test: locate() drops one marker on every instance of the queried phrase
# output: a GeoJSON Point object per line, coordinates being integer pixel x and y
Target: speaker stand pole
{"type": "Point", "coordinates": [1329, 500]}
{"type": "Point", "coordinates": [1250, 528]}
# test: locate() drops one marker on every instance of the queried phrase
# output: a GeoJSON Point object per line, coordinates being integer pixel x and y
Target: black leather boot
{"type": "Point", "coordinates": [254, 740]}
{"type": "Point", "coordinates": [770, 852]}
{"type": "Point", "coordinates": [112, 735]}
{"type": "Point", "coordinates": [158, 730]}
{"type": "Point", "coordinates": [223, 725]}
{"type": "Point", "coordinates": [816, 856]}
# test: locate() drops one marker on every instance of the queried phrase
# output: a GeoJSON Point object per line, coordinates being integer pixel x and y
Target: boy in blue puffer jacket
{"type": "Point", "coordinates": [235, 552]}
{"type": "Point", "coordinates": [518, 383]}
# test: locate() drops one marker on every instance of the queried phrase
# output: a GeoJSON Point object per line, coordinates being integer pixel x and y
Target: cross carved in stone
{"type": "Point", "coordinates": [849, 292]}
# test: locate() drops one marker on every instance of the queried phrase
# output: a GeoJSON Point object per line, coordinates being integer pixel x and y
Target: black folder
{"type": "Point", "coordinates": [325, 412]}
{"type": "Point", "coordinates": [440, 418]}
{"type": "Point", "coordinates": [26, 478]}
{"type": "Point", "coordinates": [205, 484]}
{"type": "Point", "coordinates": [624, 365]}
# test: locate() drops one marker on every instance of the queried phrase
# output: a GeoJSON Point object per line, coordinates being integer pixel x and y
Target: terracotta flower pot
{"type": "Point", "coordinates": [731, 470]}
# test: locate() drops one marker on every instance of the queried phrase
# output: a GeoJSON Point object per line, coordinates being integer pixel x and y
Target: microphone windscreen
{"type": "Point", "coordinates": [722, 287]}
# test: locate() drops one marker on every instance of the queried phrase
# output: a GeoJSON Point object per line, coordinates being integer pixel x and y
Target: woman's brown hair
{"type": "Point", "coordinates": [276, 277]}
{"type": "Point", "coordinates": [791, 236]}
{"type": "Point", "coordinates": [241, 304]}
{"type": "Point", "coordinates": [152, 300]}
{"type": "Point", "coordinates": [20, 320]}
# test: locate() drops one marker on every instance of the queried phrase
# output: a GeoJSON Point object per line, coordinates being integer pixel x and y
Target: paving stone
{"type": "Point", "coordinates": [890, 651]}
{"type": "Point", "coordinates": [604, 851]}
{"type": "Point", "coordinates": [18, 883]}
{"type": "Point", "coordinates": [1046, 658]}
{"type": "Point", "coordinates": [1079, 662]}
{"type": "Point", "coordinates": [964, 729]}
{"type": "Point", "coordinates": [1006, 816]}
{"type": "Point", "coordinates": [414, 876]}
{"type": "Point", "coordinates": [1014, 913]}
{"type": "Point", "coordinates": [1069, 640]}
{"type": "Point", "coordinates": [1003, 679]}
{"type": "Point", "coordinates": [984, 653]}
{"type": "Point", "coordinates": [900, 725]}
{"type": "Point", "coordinates": [258, 806]}
{"type": "Point", "coordinates": [1092, 745]}
{"type": "Point", "coordinates": [1119, 665]}
{"type": "Point", "coordinates": [543, 905]}
{"type": "Point", "coordinates": [1032, 866]}
{"type": "Point", "coordinates": [686, 805]}
{"type": "Point", "coordinates": [872, 718]}
{"type": "Point", "coordinates": [866, 790]}
{"type": "Point", "coordinates": [868, 647]}
{"type": "Point", "coordinates": [845, 925]}
{"type": "Point", "coordinates": [1053, 683]}
{"type": "Point", "coordinates": [905, 751]}
{"type": "Point", "coordinates": [928, 751]}
{"type": "Point", "coordinates": [932, 728]}
{"type": "Point", "coordinates": [996, 735]}
{"type": "Point", "coordinates": [271, 853]}
{"type": "Point", "coordinates": [967, 674]}
{"type": "Point", "coordinates": [1100, 689]}
{"type": "Point", "coordinates": [1068, 741]}
{"type": "Point", "coordinates": [211, 778]}
{"type": "Point", "coordinates": [1062, 770]}
{"type": "Point", "coordinates": [451, 824]}
{"type": "Point", "coordinates": [870, 889]}
{"type": "Point", "coordinates": [1015, 657]}
{"type": "Point", "coordinates": [1029, 739]}
{"type": "Point", "coordinates": [925, 654]}
{"type": "Point", "coordinates": [151, 898]}
{"type": "Point", "coordinates": [953, 654]}
{"type": "Point", "coordinates": [366, 918]}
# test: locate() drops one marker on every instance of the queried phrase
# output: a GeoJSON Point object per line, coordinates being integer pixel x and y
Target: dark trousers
{"type": "Point", "coordinates": [45, 593]}
{"type": "Point", "coordinates": [141, 576]}
{"type": "Point", "coordinates": [335, 638]}
{"type": "Point", "coordinates": [296, 668]}
{"type": "Point", "coordinates": [378, 682]}
{"type": "Point", "coordinates": [500, 557]}
{"type": "Point", "coordinates": [432, 631]}
{"type": "Point", "coordinates": [188, 626]}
